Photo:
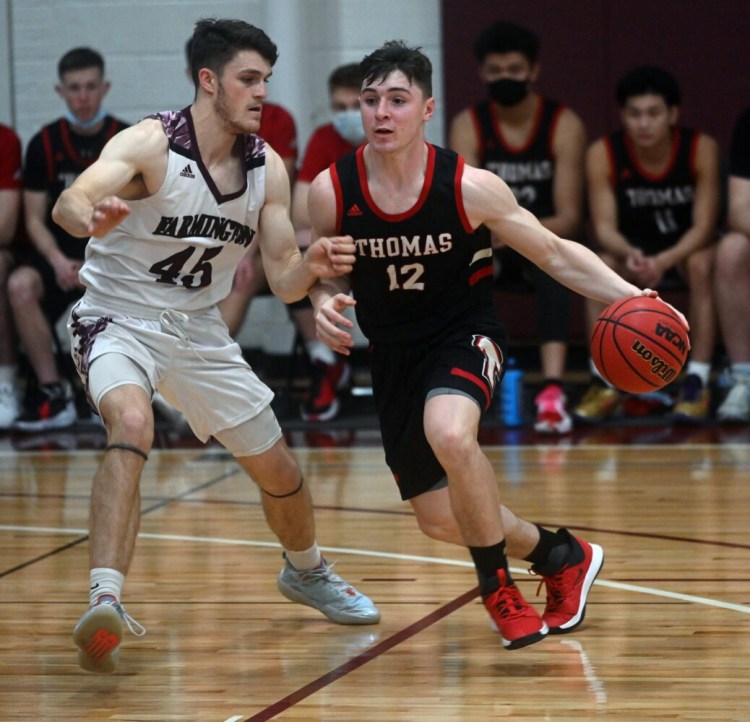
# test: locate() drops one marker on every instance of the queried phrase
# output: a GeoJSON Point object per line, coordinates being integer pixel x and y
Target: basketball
{"type": "Point", "coordinates": [639, 344]}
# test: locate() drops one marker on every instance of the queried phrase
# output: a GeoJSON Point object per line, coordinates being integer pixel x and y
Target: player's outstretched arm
{"type": "Point", "coordinates": [131, 165]}
{"type": "Point", "coordinates": [488, 200]}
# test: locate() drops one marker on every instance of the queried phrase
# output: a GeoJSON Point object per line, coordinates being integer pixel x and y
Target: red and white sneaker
{"type": "Point", "coordinates": [568, 588]}
{"type": "Point", "coordinates": [552, 416]}
{"type": "Point", "coordinates": [518, 623]}
{"type": "Point", "coordinates": [322, 403]}
{"type": "Point", "coordinates": [99, 632]}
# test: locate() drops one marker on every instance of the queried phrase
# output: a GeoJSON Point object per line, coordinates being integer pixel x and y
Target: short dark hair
{"type": "Point", "coordinates": [345, 76]}
{"type": "Point", "coordinates": [648, 79]}
{"type": "Point", "coordinates": [505, 37]}
{"type": "Point", "coordinates": [215, 42]}
{"type": "Point", "coordinates": [80, 59]}
{"type": "Point", "coordinates": [396, 55]}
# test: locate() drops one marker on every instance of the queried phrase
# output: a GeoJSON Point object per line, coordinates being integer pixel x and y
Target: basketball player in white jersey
{"type": "Point", "coordinates": [173, 204]}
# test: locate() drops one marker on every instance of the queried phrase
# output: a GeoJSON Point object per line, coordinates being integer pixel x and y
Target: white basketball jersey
{"type": "Point", "coordinates": [178, 249]}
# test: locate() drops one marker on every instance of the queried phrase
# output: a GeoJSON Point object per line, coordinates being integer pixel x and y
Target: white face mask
{"type": "Point", "coordinates": [348, 124]}
{"type": "Point", "coordinates": [85, 124]}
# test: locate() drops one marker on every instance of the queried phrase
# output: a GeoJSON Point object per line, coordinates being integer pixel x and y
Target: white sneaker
{"type": "Point", "coordinates": [99, 632]}
{"type": "Point", "coordinates": [736, 406]}
{"type": "Point", "coordinates": [9, 406]}
{"type": "Point", "coordinates": [327, 592]}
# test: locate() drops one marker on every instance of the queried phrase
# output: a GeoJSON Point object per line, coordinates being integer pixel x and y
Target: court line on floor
{"type": "Point", "coordinates": [623, 586]}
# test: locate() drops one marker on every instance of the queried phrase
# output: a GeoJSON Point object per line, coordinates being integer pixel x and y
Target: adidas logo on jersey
{"type": "Point", "coordinates": [354, 211]}
{"type": "Point", "coordinates": [187, 172]}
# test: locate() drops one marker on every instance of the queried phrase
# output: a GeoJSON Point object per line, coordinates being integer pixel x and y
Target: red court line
{"type": "Point", "coordinates": [368, 655]}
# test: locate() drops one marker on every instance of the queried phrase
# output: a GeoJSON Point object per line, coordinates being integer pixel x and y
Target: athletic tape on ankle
{"type": "Point", "coordinates": [128, 447]}
{"type": "Point", "coordinates": [288, 494]}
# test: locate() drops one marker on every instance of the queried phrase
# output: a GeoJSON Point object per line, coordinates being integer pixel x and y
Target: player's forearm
{"type": "Point", "coordinates": [581, 270]}
{"type": "Point", "coordinates": [72, 212]}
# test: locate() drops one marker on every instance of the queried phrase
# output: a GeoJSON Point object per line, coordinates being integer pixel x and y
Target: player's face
{"type": "Point", "coordinates": [394, 112]}
{"type": "Point", "coordinates": [241, 92]}
{"type": "Point", "coordinates": [648, 120]}
{"type": "Point", "coordinates": [513, 65]}
{"type": "Point", "coordinates": [83, 91]}
{"type": "Point", "coordinates": [344, 99]}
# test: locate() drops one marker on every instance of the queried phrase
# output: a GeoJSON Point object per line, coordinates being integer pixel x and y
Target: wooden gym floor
{"type": "Point", "coordinates": [666, 636]}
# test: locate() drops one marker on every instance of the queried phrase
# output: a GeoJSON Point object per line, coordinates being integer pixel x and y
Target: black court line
{"type": "Point", "coordinates": [361, 659]}
{"type": "Point", "coordinates": [147, 510]}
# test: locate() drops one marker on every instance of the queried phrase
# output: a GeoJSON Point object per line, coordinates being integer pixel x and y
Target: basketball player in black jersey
{"type": "Point", "coordinates": [654, 200]}
{"type": "Point", "coordinates": [44, 286]}
{"type": "Point", "coordinates": [536, 145]}
{"type": "Point", "coordinates": [421, 281]}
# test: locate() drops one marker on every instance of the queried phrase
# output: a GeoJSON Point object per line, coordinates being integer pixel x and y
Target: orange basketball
{"type": "Point", "coordinates": [639, 344]}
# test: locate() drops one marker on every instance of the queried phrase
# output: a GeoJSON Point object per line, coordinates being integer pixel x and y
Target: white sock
{"type": "Point", "coordinates": [318, 351]}
{"type": "Point", "coordinates": [700, 369]}
{"type": "Point", "coordinates": [308, 559]}
{"type": "Point", "coordinates": [8, 374]}
{"type": "Point", "coordinates": [104, 580]}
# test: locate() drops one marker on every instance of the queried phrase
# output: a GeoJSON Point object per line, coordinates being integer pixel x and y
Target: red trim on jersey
{"type": "Point", "coordinates": [676, 135]}
{"type": "Point", "coordinates": [475, 380]}
{"type": "Point", "coordinates": [395, 217]}
{"type": "Point", "coordinates": [339, 196]}
{"type": "Point", "coordinates": [47, 143]}
{"type": "Point", "coordinates": [70, 148]}
{"type": "Point", "coordinates": [477, 276]}
{"type": "Point", "coordinates": [460, 196]}
{"type": "Point", "coordinates": [532, 135]}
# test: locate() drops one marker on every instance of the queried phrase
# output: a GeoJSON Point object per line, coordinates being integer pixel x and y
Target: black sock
{"type": "Point", "coordinates": [488, 560]}
{"type": "Point", "coordinates": [548, 540]}
{"type": "Point", "coordinates": [554, 551]}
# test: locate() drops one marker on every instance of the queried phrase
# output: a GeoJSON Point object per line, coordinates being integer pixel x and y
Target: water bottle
{"type": "Point", "coordinates": [511, 395]}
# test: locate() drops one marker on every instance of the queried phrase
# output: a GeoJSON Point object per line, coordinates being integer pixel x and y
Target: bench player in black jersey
{"type": "Point", "coordinates": [420, 220]}
{"type": "Point", "coordinates": [654, 201]}
{"type": "Point", "coordinates": [536, 145]}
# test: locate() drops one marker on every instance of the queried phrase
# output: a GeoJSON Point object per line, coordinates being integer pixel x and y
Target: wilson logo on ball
{"type": "Point", "coordinates": [639, 344]}
{"type": "Point", "coordinates": [657, 366]}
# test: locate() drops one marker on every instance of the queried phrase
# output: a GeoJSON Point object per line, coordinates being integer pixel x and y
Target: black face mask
{"type": "Point", "coordinates": [508, 92]}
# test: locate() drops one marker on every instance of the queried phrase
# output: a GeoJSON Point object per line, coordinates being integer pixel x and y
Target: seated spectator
{"type": "Point", "coordinates": [732, 280]}
{"type": "Point", "coordinates": [536, 145]}
{"type": "Point", "coordinates": [654, 200]}
{"type": "Point", "coordinates": [42, 288]}
{"type": "Point", "coordinates": [10, 204]}
{"type": "Point", "coordinates": [328, 143]}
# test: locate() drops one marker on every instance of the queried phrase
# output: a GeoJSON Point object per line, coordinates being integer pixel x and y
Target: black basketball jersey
{"type": "Point", "coordinates": [653, 212]}
{"type": "Point", "coordinates": [419, 271]}
{"type": "Point", "coordinates": [529, 171]}
{"type": "Point", "coordinates": [56, 156]}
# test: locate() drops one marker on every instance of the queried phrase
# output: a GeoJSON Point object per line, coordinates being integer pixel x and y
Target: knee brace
{"type": "Point", "coordinates": [128, 447]}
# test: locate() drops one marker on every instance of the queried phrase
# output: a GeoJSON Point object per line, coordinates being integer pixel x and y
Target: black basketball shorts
{"type": "Point", "coordinates": [463, 361]}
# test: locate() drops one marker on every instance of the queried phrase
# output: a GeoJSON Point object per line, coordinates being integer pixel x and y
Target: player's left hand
{"type": "Point", "coordinates": [106, 215]}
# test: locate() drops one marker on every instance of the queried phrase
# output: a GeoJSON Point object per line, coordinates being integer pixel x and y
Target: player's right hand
{"type": "Point", "coordinates": [331, 325]}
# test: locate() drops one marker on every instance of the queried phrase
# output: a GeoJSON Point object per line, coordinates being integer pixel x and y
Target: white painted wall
{"type": "Point", "coordinates": [143, 44]}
